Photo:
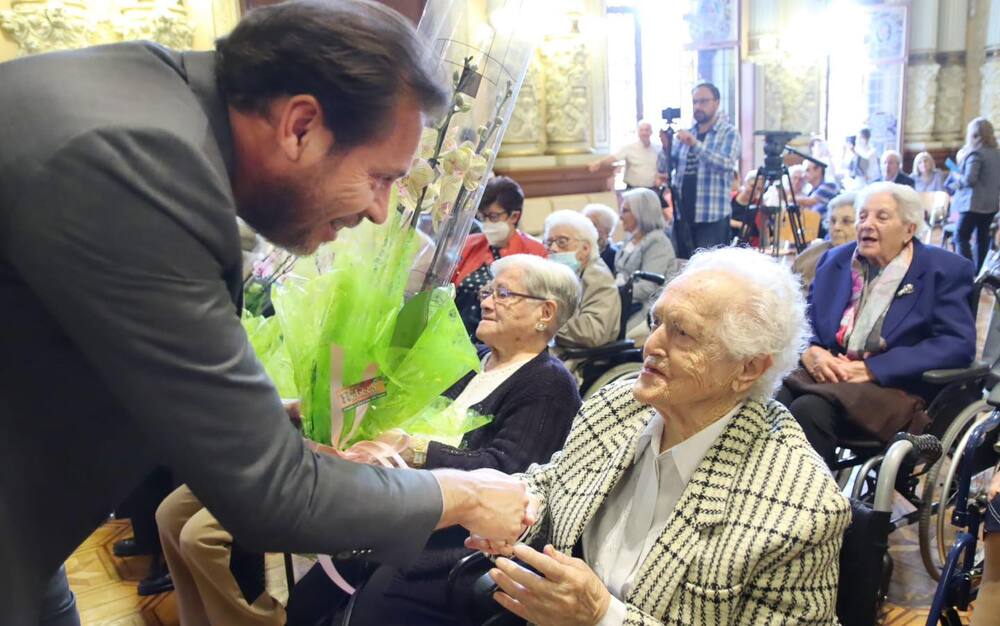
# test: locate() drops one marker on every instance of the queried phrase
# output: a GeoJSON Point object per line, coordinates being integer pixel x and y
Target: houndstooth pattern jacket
{"type": "Point", "coordinates": [754, 538]}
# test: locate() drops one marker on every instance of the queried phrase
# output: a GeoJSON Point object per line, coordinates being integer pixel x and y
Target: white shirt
{"type": "Point", "coordinates": [485, 382]}
{"type": "Point", "coordinates": [631, 519]}
{"type": "Point", "coordinates": [640, 164]}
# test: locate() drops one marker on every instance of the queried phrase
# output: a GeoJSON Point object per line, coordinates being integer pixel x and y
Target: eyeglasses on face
{"type": "Point", "coordinates": [561, 242]}
{"type": "Point", "coordinates": [702, 101]}
{"type": "Point", "coordinates": [499, 216]}
{"type": "Point", "coordinates": [502, 294]}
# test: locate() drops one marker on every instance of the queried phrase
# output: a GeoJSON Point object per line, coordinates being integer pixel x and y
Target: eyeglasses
{"type": "Point", "coordinates": [560, 242]}
{"type": "Point", "coordinates": [702, 101]}
{"type": "Point", "coordinates": [493, 217]}
{"type": "Point", "coordinates": [502, 294]}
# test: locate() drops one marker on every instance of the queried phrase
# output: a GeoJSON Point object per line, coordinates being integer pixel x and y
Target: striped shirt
{"type": "Point", "coordinates": [714, 160]}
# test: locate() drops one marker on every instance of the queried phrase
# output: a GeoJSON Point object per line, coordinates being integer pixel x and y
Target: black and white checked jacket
{"type": "Point", "coordinates": [754, 538]}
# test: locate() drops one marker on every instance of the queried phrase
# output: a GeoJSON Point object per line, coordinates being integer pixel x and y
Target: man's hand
{"type": "Point", "coordinates": [686, 137]}
{"type": "Point", "coordinates": [824, 367]}
{"type": "Point", "coordinates": [504, 548]}
{"type": "Point", "coordinates": [568, 592]}
{"type": "Point", "coordinates": [486, 502]}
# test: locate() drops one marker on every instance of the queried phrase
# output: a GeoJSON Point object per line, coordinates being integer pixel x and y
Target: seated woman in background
{"type": "Point", "coordinates": [646, 248]}
{"type": "Point", "coordinates": [605, 220]}
{"type": "Point", "coordinates": [500, 212]}
{"type": "Point", "coordinates": [839, 223]}
{"type": "Point", "coordinates": [883, 310]}
{"type": "Point", "coordinates": [926, 176]}
{"type": "Point", "coordinates": [571, 240]}
{"type": "Point", "coordinates": [676, 485]}
{"type": "Point", "coordinates": [532, 399]}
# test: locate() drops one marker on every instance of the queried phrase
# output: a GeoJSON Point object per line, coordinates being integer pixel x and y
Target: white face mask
{"type": "Point", "coordinates": [566, 258]}
{"type": "Point", "coordinates": [496, 233]}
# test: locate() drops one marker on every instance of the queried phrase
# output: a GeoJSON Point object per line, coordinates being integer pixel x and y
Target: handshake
{"type": "Point", "coordinates": [494, 507]}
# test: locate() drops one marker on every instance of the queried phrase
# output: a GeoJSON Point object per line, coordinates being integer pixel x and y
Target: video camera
{"type": "Point", "coordinates": [670, 114]}
{"type": "Point", "coordinates": [775, 142]}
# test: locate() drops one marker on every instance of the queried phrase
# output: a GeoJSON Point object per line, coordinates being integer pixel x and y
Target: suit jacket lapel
{"type": "Point", "coordinates": [902, 305]}
{"type": "Point", "coordinates": [609, 476]}
{"type": "Point", "coordinates": [702, 505]}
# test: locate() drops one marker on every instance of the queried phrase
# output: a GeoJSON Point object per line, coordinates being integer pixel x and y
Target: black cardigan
{"type": "Point", "coordinates": [532, 412]}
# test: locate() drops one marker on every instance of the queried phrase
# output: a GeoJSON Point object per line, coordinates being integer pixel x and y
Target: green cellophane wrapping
{"type": "Point", "coordinates": [264, 334]}
{"type": "Point", "coordinates": [357, 306]}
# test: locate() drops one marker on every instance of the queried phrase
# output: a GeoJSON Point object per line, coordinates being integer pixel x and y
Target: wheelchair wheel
{"type": "Point", "coordinates": [618, 372]}
{"type": "Point", "coordinates": [937, 499]}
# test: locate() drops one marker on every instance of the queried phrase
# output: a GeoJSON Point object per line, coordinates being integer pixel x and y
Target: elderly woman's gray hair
{"type": "Point", "coordinates": [767, 318]}
{"type": "Point", "coordinates": [604, 214]}
{"type": "Point", "coordinates": [847, 198]}
{"type": "Point", "coordinates": [646, 207]}
{"type": "Point", "coordinates": [908, 204]}
{"type": "Point", "coordinates": [545, 279]}
{"type": "Point", "coordinates": [583, 227]}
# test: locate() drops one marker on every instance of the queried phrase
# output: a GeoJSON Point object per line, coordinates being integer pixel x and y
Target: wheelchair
{"type": "Point", "coordinates": [613, 361]}
{"type": "Point", "coordinates": [957, 407]}
{"type": "Point", "coordinates": [966, 502]}
{"type": "Point", "coordinates": [864, 579]}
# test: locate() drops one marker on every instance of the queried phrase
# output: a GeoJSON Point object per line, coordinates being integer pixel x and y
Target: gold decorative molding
{"type": "Point", "coordinates": [164, 21]}
{"type": "Point", "coordinates": [46, 25]}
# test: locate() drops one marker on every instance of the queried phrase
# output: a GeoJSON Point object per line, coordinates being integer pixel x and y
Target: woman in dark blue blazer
{"type": "Point", "coordinates": [884, 309]}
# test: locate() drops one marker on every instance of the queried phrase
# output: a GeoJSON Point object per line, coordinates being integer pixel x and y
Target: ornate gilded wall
{"type": "Point", "coordinates": [31, 26]}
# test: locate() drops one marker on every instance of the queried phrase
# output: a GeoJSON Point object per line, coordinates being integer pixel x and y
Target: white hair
{"type": "Point", "coordinates": [607, 216]}
{"type": "Point", "coordinates": [545, 279]}
{"type": "Point", "coordinates": [908, 204]}
{"type": "Point", "coordinates": [645, 206]}
{"type": "Point", "coordinates": [584, 228]}
{"type": "Point", "coordinates": [847, 198]}
{"type": "Point", "coordinates": [768, 319]}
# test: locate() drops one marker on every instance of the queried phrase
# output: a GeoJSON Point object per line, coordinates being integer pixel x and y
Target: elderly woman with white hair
{"type": "Point", "coordinates": [605, 220]}
{"type": "Point", "coordinates": [531, 398]}
{"type": "Point", "coordinates": [884, 309]}
{"type": "Point", "coordinates": [646, 248]}
{"type": "Point", "coordinates": [839, 224]}
{"type": "Point", "coordinates": [571, 240]}
{"type": "Point", "coordinates": [672, 502]}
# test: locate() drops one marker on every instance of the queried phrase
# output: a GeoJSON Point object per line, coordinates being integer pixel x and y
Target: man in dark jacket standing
{"type": "Point", "coordinates": [122, 171]}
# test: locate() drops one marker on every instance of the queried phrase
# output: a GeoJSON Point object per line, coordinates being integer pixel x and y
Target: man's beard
{"type": "Point", "coordinates": [701, 117]}
{"type": "Point", "coordinates": [277, 208]}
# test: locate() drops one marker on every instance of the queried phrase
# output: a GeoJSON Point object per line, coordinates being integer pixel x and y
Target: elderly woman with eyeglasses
{"type": "Point", "coordinates": [646, 248]}
{"type": "Point", "coordinates": [884, 310]}
{"type": "Point", "coordinates": [571, 240]}
{"type": "Point", "coordinates": [500, 211]}
{"type": "Point", "coordinates": [532, 399]}
{"type": "Point", "coordinates": [839, 223]}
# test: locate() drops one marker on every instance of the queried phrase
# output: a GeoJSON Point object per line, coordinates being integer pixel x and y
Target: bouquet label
{"type": "Point", "coordinates": [361, 393]}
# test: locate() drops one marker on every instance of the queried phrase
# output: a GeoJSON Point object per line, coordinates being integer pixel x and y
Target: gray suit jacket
{"type": "Point", "coordinates": [120, 345]}
{"type": "Point", "coordinates": [977, 187]}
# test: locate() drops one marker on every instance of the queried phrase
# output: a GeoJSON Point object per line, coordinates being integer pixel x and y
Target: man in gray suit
{"type": "Point", "coordinates": [122, 171]}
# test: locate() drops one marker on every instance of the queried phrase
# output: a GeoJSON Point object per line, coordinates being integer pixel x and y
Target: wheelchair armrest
{"type": "Point", "coordinates": [470, 594]}
{"type": "Point", "coordinates": [943, 377]}
{"type": "Point", "coordinates": [607, 349]}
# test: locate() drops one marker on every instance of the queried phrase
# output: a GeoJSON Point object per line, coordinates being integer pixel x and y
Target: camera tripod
{"type": "Point", "coordinates": [766, 179]}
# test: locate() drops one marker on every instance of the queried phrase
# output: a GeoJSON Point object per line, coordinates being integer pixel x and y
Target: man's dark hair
{"type": "Point", "coordinates": [357, 57]}
{"type": "Point", "coordinates": [503, 191]}
{"type": "Point", "coordinates": [865, 133]}
{"type": "Point", "coordinates": [710, 87]}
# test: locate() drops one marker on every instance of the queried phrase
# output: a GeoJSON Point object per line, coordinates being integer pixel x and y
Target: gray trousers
{"type": "Point", "coordinates": [58, 602]}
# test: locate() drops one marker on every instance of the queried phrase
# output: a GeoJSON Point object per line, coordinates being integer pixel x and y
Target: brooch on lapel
{"type": "Point", "coordinates": [905, 290]}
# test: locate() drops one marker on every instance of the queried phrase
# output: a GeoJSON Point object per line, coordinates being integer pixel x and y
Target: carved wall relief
{"type": "Point", "coordinates": [567, 95]}
{"type": "Point", "coordinates": [792, 97]}
{"type": "Point", "coordinates": [42, 26]}
{"type": "Point", "coordinates": [921, 100]}
{"type": "Point", "coordinates": [526, 131]}
{"type": "Point", "coordinates": [163, 21]}
{"type": "Point", "coordinates": [950, 102]}
{"type": "Point", "coordinates": [989, 96]}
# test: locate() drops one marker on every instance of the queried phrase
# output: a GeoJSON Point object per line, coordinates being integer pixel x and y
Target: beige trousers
{"type": "Point", "coordinates": [197, 550]}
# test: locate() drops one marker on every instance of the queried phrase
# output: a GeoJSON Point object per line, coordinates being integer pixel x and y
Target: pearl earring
{"type": "Point", "coordinates": [540, 327]}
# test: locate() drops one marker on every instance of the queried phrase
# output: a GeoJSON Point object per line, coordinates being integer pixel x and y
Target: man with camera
{"type": "Point", "coordinates": [704, 157]}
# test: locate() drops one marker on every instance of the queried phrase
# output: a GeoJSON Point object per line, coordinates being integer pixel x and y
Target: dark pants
{"type": "Point", "coordinates": [140, 508]}
{"type": "Point", "coordinates": [710, 234]}
{"type": "Point", "coordinates": [979, 222]}
{"type": "Point", "coordinates": [58, 602]}
{"type": "Point", "coordinates": [819, 420]}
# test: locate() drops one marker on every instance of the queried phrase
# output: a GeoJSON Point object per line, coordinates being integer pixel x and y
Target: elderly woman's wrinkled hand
{"type": "Point", "coordinates": [855, 371]}
{"type": "Point", "coordinates": [566, 592]}
{"type": "Point", "coordinates": [823, 366]}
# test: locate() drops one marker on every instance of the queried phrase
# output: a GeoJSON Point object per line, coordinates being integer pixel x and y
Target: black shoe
{"type": "Point", "coordinates": [152, 585]}
{"type": "Point", "coordinates": [128, 547]}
